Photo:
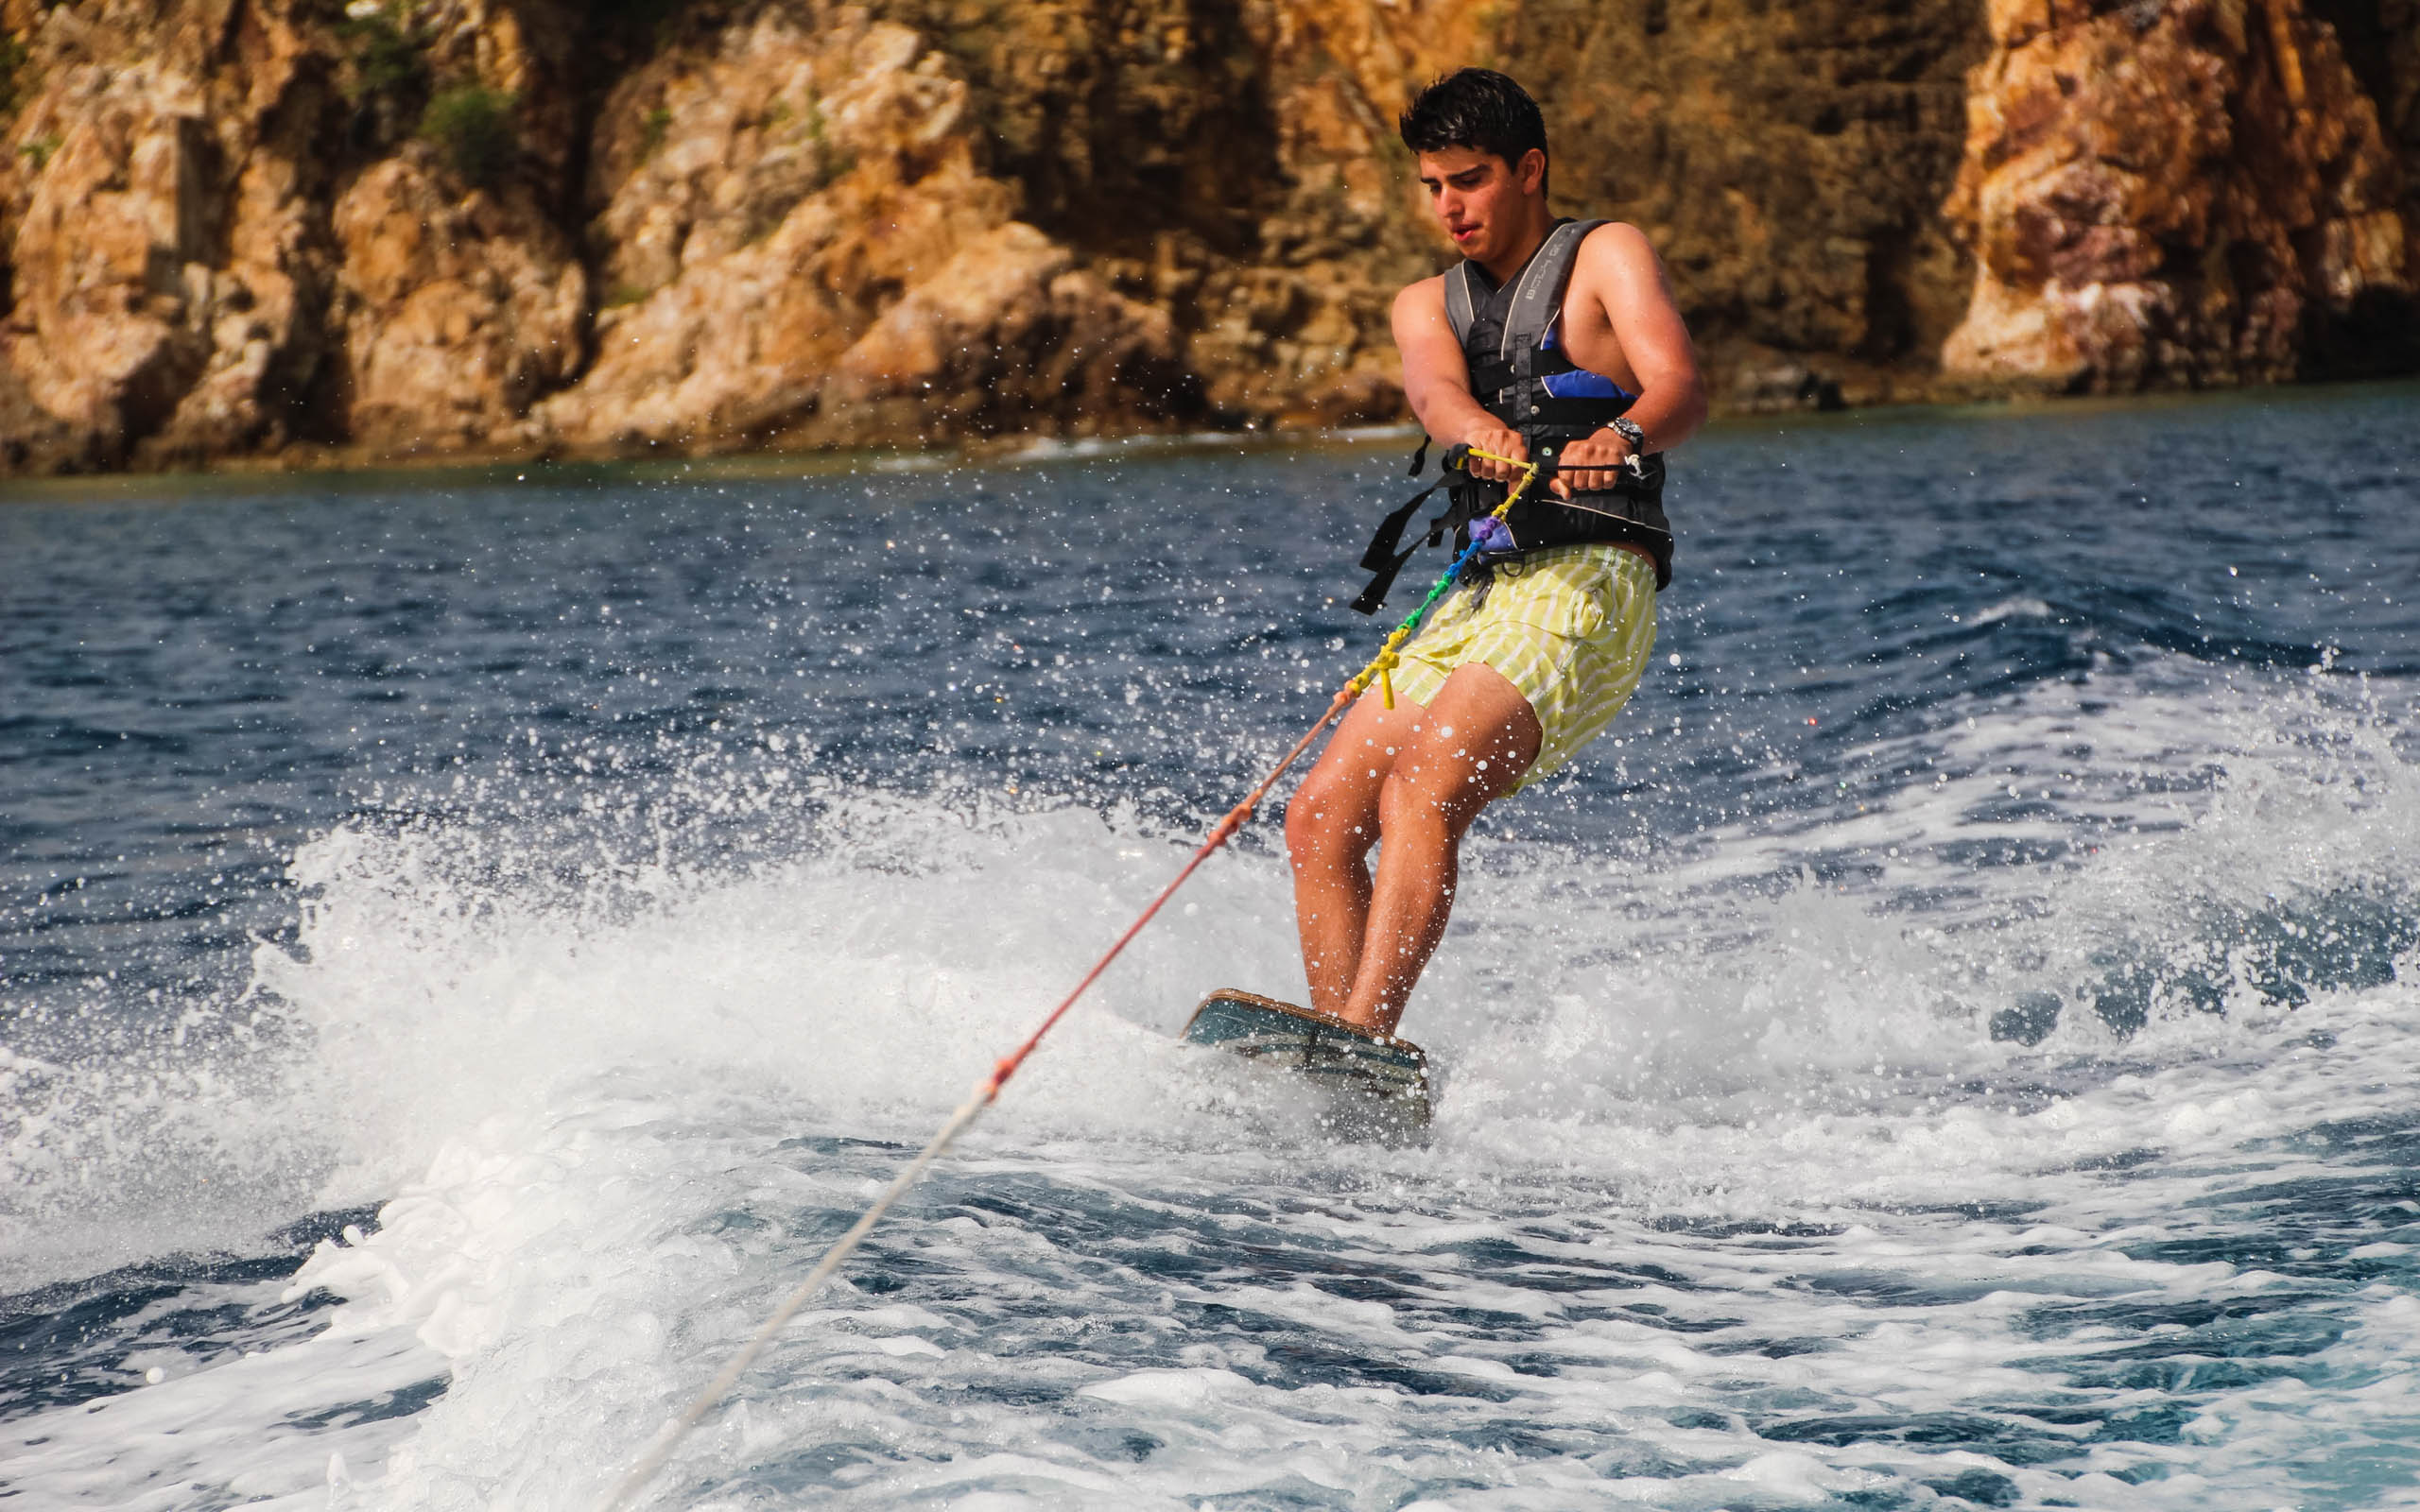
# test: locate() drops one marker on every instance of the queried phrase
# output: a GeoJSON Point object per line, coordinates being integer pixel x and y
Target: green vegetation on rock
{"type": "Point", "coordinates": [658, 121]}
{"type": "Point", "coordinates": [13, 62]}
{"type": "Point", "coordinates": [387, 61]}
{"type": "Point", "coordinates": [472, 128]}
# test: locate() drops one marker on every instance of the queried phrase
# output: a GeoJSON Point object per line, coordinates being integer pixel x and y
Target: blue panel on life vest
{"type": "Point", "coordinates": [1581, 384]}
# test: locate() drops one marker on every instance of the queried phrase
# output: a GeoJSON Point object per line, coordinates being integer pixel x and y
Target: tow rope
{"type": "Point", "coordinates": [1380, 670]}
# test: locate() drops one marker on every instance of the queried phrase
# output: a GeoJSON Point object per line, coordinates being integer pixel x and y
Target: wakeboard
{"type": "Point", "coordinates": [1372, 1086]}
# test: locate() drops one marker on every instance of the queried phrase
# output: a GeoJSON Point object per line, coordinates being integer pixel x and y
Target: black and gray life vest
{"type": "Point", "coordinates": [1520, 373]}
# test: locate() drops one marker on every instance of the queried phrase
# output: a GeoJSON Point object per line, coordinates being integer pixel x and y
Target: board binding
{"type": "Point", "coordinates": [1376, 1086]}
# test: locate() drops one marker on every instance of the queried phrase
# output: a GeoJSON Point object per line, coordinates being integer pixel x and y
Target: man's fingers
{"type": "Point", "coordinates": [1568, 479]}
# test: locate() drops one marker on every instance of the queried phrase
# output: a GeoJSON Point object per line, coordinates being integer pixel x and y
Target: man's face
{"type": "Point", "coordinates": [1477, 197]}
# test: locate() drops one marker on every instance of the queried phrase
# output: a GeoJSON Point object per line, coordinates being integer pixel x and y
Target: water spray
{"type": "Point", "coordinates": [1379, 670]}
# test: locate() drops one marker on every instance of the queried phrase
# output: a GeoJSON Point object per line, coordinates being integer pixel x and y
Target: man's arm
{"type": "Point", "coordinates": [1619, 265]}
{"type": "Point", "coordinates": [1437, 382]}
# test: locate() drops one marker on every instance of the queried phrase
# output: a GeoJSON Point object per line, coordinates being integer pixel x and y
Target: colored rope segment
{"type": "Point", "coordinates": [1382, 666]}
{"type": "Point", "coordinates": [988, 1089]}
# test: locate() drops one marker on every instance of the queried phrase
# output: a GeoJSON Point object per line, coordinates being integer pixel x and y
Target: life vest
{"type": "Point", "coordinates": [1520, 373]}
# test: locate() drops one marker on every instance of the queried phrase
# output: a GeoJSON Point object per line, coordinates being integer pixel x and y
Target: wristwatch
{"type": "Point", "coordinates": [1631, 433]}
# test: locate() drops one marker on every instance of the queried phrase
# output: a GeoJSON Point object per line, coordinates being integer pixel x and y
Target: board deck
{"type": "Point", "coordinates": [1375, 1086]}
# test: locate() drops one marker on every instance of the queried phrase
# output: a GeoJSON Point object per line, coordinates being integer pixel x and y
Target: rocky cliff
{"type": "Point", "coordinates": [2183, 193]}
{"type": "Point", "coordinates": [300, 229]}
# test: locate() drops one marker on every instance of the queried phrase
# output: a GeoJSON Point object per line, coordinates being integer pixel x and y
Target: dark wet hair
{"type": "Point", "coordinates": [1479, 109]}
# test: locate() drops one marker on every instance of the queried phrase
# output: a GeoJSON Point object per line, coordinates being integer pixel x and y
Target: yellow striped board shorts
{"type": "Point", "coordinates": [1571, 626]}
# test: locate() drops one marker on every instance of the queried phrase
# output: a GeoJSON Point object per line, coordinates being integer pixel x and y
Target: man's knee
{"type": "Point", "coordinates": [1445, 785]}
{"type": "Point", "coordinates": [1322, 821]}
{"type": "Point", "coordinates": [1412, 803]}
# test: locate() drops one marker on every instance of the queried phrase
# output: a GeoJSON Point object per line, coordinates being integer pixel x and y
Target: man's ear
{"type": "Point", "coordinates": [1530, 172]}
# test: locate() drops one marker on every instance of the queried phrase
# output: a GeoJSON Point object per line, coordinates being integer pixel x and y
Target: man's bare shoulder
{"type": "Point", "coordinates": [1617, 268]}
{"type": "Point", "coordinates": [1419, 315]}
{"type": "Point", "coordinates": [1422, 297]}
{"type": "Point", "coordinates": [1615, 241]}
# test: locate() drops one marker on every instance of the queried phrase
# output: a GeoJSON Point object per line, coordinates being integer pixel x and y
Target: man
{"type": "Point", "coordinates": [1515, 673]}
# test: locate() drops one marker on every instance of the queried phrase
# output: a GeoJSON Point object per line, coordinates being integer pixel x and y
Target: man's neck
{"type": "Point", "coordinates": [1506, 267]}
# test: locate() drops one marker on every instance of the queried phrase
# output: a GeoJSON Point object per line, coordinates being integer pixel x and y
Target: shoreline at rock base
{"type": "Point", "coordinates": [360, 468]}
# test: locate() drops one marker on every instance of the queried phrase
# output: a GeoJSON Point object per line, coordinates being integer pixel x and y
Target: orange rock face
{"type": "Point", "coordinates": [801, 247]}
{"type": "Point", "coordinates": [421, 227]}
{"type": "Point", "coordinates": [201, 268]}
{"type": "Point", "coordinates": [2170, 192]}
{"type": "Point", "coordinates": [162, 295]}
{"type": "Point", "coordinates": [458, 313]}
{"type": "Point", "coordinates": [102, 253]}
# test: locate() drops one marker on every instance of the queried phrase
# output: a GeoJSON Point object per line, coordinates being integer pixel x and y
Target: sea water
{"type": "Point", "coordinates": [468, 943]}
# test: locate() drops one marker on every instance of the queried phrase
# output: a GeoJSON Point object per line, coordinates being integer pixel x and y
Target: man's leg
{"type": "Point", "coordinates": [1331, 823]}
{"type": "Point", "coordinates": [1473, 743]}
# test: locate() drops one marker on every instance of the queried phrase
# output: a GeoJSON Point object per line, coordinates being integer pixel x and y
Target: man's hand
{"type": "Point", "coordinates": [1591, 463]}
{"type": "Point", "coordinates": [1488, 434]}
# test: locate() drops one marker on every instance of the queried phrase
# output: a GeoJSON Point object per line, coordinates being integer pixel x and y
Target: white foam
{"type": "Point", "coordinates": [610, 1126]}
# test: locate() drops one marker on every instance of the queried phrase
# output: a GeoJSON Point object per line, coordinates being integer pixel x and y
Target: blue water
{"type": "Point", "coordinates": [468, 941]}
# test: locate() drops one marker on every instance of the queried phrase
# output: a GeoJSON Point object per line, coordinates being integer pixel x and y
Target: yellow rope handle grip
{"type": "Point", "coordinates": [1512, 495]}
{"type": "Point", "coordinates": [1381, 667]}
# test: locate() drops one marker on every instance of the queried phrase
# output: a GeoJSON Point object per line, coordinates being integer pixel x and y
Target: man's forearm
{"type": "Point", "coordinates": [1448, 411]}
{"type": "Point", "coordinates": [1668, 413]}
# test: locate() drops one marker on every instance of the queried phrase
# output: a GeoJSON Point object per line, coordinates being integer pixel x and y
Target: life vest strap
{"type": "Point", "coordinates": [1383, 558]}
